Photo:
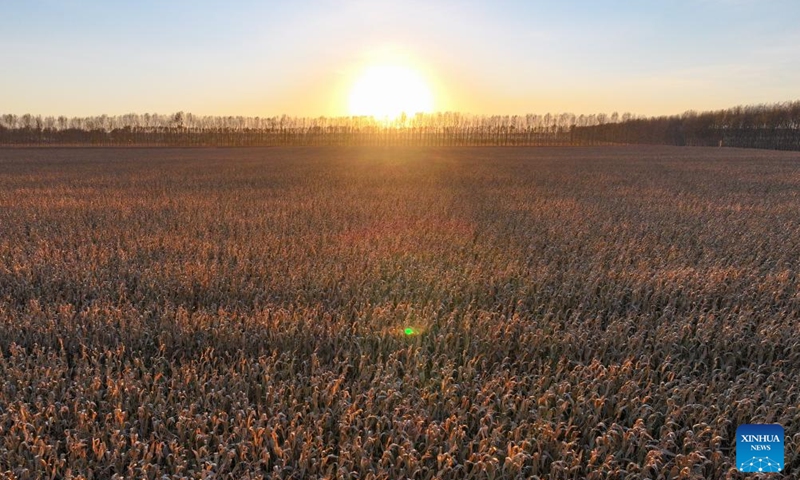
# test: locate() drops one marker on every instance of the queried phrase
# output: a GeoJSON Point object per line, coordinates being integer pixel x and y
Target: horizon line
{"type": "Point", "coordinates": [630, 115]}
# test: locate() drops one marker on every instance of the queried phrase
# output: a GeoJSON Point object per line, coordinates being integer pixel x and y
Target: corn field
{"type": "Point", "coordinates": [377, 313]}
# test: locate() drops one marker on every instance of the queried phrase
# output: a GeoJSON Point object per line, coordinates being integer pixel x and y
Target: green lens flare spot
{"type": "Point", "coordinates": [409, 331]}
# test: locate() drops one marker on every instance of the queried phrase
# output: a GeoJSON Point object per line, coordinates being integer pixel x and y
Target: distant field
{"type": "Point", "coordinates": [235, 313]}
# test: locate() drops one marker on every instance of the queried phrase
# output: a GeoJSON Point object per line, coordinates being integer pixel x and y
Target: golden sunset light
{"type": "Point", "coordinates": [386, 91]}
{"type": "Point", "coordinates": [379, 239]}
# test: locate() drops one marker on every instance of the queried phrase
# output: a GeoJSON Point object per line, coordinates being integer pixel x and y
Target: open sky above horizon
{"type": "Point", "coordinates": [301, 58]}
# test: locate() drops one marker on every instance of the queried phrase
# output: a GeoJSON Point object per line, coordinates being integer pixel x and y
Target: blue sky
{"type": "Point", "coordinates": [300, 58]}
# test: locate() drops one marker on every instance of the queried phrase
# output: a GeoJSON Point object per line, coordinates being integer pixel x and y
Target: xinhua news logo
{"type": "Point", "coordinates": [759, 448]}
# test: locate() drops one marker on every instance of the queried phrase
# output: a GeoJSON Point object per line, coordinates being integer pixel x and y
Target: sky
{"type": "Point", "coordinates": [302, 58]}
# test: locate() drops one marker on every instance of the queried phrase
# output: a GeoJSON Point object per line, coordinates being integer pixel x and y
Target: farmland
{"type": "Point", "coordinates": [611, 312]}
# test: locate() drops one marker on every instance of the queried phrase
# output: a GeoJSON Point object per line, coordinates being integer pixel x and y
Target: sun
{"type": "Point", "coordinates": [387, 91]}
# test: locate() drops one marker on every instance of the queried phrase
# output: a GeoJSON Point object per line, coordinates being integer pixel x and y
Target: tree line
{"type": "Point", "coordinates": [762, 126]}
{"type": "Point", "coordinates": [774, 126]}
{"type": "Point", "coordinates": [186, 129]}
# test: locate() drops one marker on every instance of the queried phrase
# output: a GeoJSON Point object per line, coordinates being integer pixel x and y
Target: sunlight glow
{"type": "Point", "coordinates": [385, 92]}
